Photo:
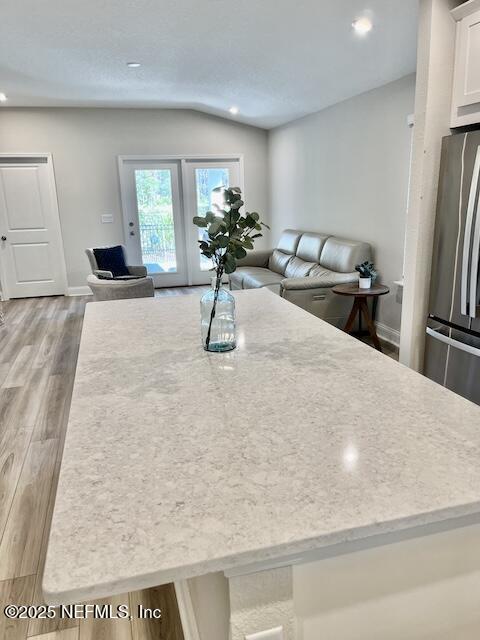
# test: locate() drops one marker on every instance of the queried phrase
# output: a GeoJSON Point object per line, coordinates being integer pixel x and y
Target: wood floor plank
{"type": "Point", "coordinates": [16, 591]}
{"type": "Point", "coordinates": [91, 629]}
{"type": "Point", "coordinates": [67, 349]}
{"type": "Point", "coordinates": [18, 374]}
{"type": "Point", "coordinates": [46, 348]}
{"type": "Point", "coordinates": [21, 541]}
{"type": "Point", "coordinates": [14, 442]}
{"type": "Point", "coordinates": [163, 598]}
{"type": "Point", "coordinates": [4, 369]}
{"type": "Point", "coordinates": [65, 634]}
{"type": "Point", "coordinates": [12, 341]}
{"type": "Point", "coordinates": [37, 627]}
{"type": "Point", "coordinates": [13, 450]}
{"type": "Point", "coordinates": [50, 419]}
{"type": "Point", "coordinates": [32, 397]}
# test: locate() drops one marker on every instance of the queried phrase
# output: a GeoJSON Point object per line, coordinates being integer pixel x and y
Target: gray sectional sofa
{"type": "Point", "coordinates": [303, 269]}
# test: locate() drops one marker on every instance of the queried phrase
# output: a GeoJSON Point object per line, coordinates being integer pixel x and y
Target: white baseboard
{"type": "Point", "coordinates": [79, 291]}
{"type": "Point", "coordinates": [186, 611]}
{"type": "Point", "coordinates": [388, 334]}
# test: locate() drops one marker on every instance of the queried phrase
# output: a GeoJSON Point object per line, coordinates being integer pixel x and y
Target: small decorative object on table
{"type": "Point", "coordinates": [367, 275]}
{"type": "Point", "coordinates": [228, 235]}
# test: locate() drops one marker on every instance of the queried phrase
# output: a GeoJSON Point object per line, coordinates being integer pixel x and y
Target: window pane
{"type": "Point", "coordinates": [206, 180]}
{"type": "Point", "coordinates": [155, 219]}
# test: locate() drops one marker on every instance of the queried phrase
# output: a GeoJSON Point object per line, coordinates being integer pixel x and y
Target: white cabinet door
{"type": "Point", "coordinates": [31, 249]}
{"type": "Point", "coordinates": [466, 82]}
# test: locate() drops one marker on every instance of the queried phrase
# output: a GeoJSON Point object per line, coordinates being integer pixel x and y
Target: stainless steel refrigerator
{"type": "Point", "coordinates": [452, 355]}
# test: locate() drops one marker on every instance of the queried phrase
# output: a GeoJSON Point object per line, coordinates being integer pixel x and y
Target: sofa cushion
{"type": "Point", "coordinates": [238, 276]}
{"type": "Point", "coordinates": [297, 268]}
{"type": "Point", "coordinates": [261, 278]}
{"type": "Point", "coordinates": [310, 246]}
{"type": "Point", "coordinates": [278, 261]}
{"type": "Point", "coordinates": [342, 255]}
{"type": "Point", "coordinates": [327, 278]}
{"type": "Point", "coordinates": [289, 240]}
{"type": "Point", "coordinates": [111, 259]}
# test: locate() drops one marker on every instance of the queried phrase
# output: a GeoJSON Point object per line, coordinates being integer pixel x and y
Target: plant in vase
{"type": "Point", "coordinates": [228, 236]}
{"type": "Point", "coordinates": [367, 274]}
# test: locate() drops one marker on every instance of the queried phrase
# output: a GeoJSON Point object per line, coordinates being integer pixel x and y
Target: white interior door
{"type": "Point", "coordinates": [31, 249]}
{"type": "Point", "coordinates": [200, 178]}
{"type": "Point", "coordinates": [153, 219]}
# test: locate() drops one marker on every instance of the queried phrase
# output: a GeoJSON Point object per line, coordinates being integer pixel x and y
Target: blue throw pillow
{"type": "Point", "coordinates": [111, 259]}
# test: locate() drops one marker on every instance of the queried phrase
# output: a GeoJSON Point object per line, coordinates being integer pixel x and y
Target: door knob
{"type": "Point", "coordinates": [132, 233]}
{"type": "Point", "coordinates": [4, 238]}
{"type": "Point", "coordinates": [130, 224]}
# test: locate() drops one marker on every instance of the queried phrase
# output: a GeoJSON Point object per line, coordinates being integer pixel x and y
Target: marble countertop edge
{"type": "Point", "coordinates": [331, 544]}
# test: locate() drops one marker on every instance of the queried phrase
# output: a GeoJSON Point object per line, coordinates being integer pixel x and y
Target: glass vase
{"type": "Point", "coordinates": [217, 308]}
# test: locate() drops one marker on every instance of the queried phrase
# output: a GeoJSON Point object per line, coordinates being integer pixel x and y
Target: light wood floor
{"type": "Point", "coordinates": [38, 353]}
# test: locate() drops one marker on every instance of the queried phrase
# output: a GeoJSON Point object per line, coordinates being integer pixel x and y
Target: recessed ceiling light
{"type": "Point", "coordinates": [233, 111]}
{"type": "Point", "coordinates": [133, 65]}
{"type": "Point", "coordinates": [3, 97]}
{"type": "Point", "coordinates": [362, 26]}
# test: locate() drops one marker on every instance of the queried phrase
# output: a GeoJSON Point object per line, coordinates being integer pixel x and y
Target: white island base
{"type": "Point", "coordinates": [424, 588]}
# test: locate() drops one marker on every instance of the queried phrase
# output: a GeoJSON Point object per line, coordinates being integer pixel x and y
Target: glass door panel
{"type": "Point", "coordinates": [207, 179]}
{"type": "Point", "coordinates": [202, 178]}
{"type": "Point", "coordinates": [153, 220]}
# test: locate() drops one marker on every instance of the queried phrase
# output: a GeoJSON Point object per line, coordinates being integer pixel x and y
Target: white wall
{"type": "Point", "coordinates": [344, 170]}
{"type": "Point", "coordinates": [85, 144]}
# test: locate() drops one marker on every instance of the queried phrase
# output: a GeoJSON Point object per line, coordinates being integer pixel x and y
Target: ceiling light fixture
{"type": "Point", "coordinates": [362, 26]}
{"type": "Point", "coordinates": [3, 97]}
{"type": "Point", "coordinates": [133, 65]}
{"type": "Point", "coordinates": [233, 111]}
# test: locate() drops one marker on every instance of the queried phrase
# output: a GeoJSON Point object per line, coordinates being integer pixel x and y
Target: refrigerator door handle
{"type": "Point", "coordinates": [466, 245]}
{"type": "Point", "coordinates": [453, 343]}
{"type": "Point", "coordinates": [474, 266]}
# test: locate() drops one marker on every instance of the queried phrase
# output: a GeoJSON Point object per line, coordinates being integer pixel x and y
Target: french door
{"type": "Point", "coordinates": [153, 220]}
{"type": "Point", "coordinates": [160, 197]}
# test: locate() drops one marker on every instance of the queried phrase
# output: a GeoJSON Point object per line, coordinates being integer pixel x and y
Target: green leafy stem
{"type": "Point", "coordinates": [229, 235]}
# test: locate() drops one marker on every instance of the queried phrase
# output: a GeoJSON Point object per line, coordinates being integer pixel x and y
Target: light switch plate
{"type": "Point", "coordinates": [269, 634]}
{"type": "Point", "coordinates": [107, 218]}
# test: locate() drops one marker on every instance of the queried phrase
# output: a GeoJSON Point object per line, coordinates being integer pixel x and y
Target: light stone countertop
{"type": "Point", "coordinates": [178, 462]}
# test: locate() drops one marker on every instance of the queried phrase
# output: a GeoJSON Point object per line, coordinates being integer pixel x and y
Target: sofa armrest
{"type": "Point", "coordinates": [103, 275]}
{"type": "Point", "coordinates": [257, 258]}
{"type": "Point", "coordinates": [137, 270]}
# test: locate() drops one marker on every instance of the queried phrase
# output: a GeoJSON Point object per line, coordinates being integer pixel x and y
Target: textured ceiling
{"type": "Point", "coordinates": [275, 59]}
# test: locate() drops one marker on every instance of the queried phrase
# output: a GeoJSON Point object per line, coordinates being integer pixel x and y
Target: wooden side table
{"type": "Point", "coordinates": [360, 306]}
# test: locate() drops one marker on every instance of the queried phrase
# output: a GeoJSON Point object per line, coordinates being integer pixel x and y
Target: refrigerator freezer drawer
{"type": "Point", "coordinates": [452, 358]}
{"type": "Point", "coordinates": [474, 351]}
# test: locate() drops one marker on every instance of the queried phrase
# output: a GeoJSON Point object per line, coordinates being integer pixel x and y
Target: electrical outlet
{"type": "Point", "coordinates": [107, 218]}
{"type": "Point", "coordinates": [269, 634]}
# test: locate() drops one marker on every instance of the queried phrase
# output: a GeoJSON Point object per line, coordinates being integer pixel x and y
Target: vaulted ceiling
{"type": "Point", "coordinates": [275, 60]}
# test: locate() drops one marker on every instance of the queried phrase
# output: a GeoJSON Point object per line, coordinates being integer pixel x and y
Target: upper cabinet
{"type": "Point", "coordinates": [466, 79]}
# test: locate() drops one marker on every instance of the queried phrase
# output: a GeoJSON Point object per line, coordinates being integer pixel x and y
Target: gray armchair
{"type": "Point", "coordinates": [136, 285]}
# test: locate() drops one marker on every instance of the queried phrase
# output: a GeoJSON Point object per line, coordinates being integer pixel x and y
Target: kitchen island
{"type": "Point", "coordinates": [300, 444]}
